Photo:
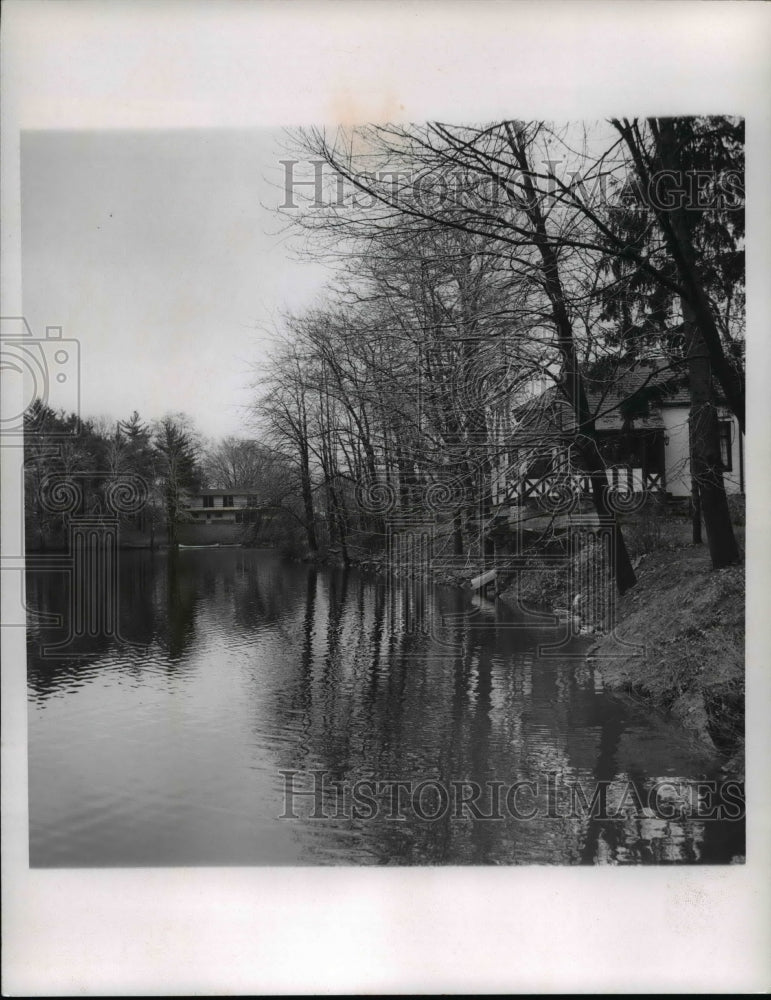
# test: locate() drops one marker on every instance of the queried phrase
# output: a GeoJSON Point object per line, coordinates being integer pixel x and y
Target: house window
{"type": "Point", "coordinates": [725, 445]}
{"type": "Point", "coordinates": [208, 501]}
{"type": "Point", "coordinates": [239, 517]}
{"type": "Point", "coordinates": [227, 501]}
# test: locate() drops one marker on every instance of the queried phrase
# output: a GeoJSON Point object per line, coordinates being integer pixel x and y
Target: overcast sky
{"type": "Point", "coordinates": [161, 253]}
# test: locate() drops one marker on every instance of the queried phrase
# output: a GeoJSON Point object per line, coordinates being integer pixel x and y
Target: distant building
{"type": "Point", "coordinates": [221, 506]}
{"type": "Point", "coordinates": [218, 516]}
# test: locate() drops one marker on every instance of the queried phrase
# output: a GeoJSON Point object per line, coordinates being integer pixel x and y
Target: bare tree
{"type": "Point", "coordinates": [515, 229]}
{"type": "Point", "coordinates": [282, 409]}
{"type": "Point", "coordinates": [237, 463]}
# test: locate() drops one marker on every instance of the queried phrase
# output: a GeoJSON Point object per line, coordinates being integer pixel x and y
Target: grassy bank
{"type": "Point", "coordinates": [678, 642]}
{"type": "Point", "coordinates": [687, 623]}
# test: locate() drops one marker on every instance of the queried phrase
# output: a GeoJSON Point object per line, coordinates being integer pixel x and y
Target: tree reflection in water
{"type": "Point", "coordinates": [282, 666]}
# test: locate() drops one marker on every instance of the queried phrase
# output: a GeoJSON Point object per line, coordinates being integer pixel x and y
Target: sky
{"type": "Point", "coordinates": [161, 253]}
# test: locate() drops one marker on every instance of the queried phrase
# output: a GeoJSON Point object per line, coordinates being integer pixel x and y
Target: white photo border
{"type": "Point", "coordinates": [213, 63]}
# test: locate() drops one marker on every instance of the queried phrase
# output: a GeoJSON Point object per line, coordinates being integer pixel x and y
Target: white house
{"type": "Point", "coordinates": [674, 418]}
{"type": "Point", "coordinates": [641, 420]}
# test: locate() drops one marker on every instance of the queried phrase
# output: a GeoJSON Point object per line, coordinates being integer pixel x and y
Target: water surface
{"type": "Point", "coordinates": [172, 745]}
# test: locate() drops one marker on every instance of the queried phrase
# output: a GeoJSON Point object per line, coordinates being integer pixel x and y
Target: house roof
{"type": "Point", "coordinates": [682, 398]}
{"type": "Point", "coordinates": [628, 388]}
{"type": "Point", "coordinates": [635, 390]}
{"type": "Point", "coordinates": [663, 383]}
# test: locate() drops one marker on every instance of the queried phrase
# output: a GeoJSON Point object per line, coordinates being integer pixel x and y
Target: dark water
{"type": "Point", "coordinates": [167, 747]}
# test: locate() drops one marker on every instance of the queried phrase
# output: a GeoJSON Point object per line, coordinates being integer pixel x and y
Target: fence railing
{"type": "Point", "coordinates": [623, 479]}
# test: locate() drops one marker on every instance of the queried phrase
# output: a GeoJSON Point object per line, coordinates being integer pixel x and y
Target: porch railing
{"type": "Point", "coordinates": [623, 479]}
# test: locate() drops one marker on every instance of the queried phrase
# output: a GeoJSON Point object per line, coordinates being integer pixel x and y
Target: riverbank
{"type": "Point", "coordinates": [689, 622]}
{"type": "Point", "coordinates": [678, 641]}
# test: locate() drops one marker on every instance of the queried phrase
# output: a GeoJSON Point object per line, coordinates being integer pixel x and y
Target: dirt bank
{"type": "Point", "coordinates": [689, 621]}
{"type": "Point", "coordinates": [685, 624]}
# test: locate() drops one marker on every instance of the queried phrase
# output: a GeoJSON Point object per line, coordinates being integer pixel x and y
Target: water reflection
{"type": "Point", "coordinates": [170, 748]}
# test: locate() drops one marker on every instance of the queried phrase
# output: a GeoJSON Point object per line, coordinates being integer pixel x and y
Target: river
{"type": "Point", "coordinates": [253, 711]}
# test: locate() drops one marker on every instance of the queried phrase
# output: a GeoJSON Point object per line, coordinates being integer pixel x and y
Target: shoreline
{"type": "Point", "coordinates": [688, 621]}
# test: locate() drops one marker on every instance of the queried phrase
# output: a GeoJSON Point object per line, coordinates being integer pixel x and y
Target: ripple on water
{"type": "Point", "coordinates": [170, 750]}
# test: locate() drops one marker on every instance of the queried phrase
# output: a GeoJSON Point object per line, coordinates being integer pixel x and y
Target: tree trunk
{"type": "Point", "coordinates": [337, 518]}
{"type": "Point", "coordinates": [704, 435]}
{"type": "Point", "coordinates": [404, 480]}
{"type": "Point", "coordinates": [575, 391]}
{"type": "Point", "coordinates": [623, 571]}
{"type": "Point", "coordinates": [457, 534]}
{"type": "Point", "coordinates": [695, 510]}
{"type": "Point", "coordinates": [171, 522]}
{"type": "Point", "coordinates": [305, 483]}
